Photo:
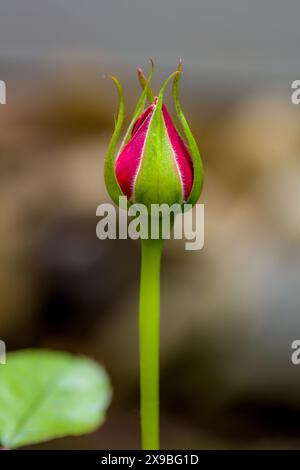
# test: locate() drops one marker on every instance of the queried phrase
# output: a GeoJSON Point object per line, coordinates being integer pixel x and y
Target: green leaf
{"type": "Point", "coordinates": [46, 394]}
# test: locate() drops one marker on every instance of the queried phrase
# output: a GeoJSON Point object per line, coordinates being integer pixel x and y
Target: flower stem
{"type": "Point", "coordinates": [149, 320]}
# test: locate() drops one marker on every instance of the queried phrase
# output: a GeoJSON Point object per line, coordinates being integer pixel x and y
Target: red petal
{"type": "Point", "coordinates": [141, 119]}
{"type": "Point", "coordinates": [182, 155]}
{"type": "Point", "coordinates": [128, 161]}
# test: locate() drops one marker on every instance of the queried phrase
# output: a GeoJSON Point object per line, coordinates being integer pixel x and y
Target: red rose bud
{"type": "Point", "coordinates": [154, 165]}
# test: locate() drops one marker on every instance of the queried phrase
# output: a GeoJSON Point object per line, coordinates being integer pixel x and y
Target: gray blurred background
{"type": "Point", "coordinates": [229, 312]}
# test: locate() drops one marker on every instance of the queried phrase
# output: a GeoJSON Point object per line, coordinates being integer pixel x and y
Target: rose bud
{"type": "Point", "coordinates": [154, 164]}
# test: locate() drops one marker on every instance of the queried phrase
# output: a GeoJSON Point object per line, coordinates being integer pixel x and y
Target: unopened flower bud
{"type": "Point", "coordinates": [154, 164]}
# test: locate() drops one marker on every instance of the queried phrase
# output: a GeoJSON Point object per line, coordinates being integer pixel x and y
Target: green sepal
{"type": "Point", "coordinates": [144, 82]}
{"type": "Point", "coordinates": [110, 179]}
{"type": "Point", "coordinates": [158, 180]}
{"type": "Point", "coordinates": [192, 145]}
{"type": "Point", "coordinates": [138, 109]}
{"type": "Point", "coordinates": [111, 182]}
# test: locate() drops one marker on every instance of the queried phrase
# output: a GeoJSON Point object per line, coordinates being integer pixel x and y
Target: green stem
{"type": "Point", "coordinates": [149, 342]}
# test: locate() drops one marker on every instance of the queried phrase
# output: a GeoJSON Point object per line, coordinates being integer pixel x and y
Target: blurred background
{"type": "Point", "coordinates": [229, 312]}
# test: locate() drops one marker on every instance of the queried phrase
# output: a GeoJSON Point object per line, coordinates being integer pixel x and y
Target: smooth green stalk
{"type": "Point", "coordinates": [149, 342]}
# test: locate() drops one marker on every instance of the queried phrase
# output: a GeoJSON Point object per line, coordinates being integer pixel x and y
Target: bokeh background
{"type": "Point", "coordinates": [229, 312]}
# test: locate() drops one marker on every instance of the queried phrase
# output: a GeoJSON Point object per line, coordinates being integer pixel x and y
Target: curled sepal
{"type": "Point", "coordinates": [110, 179]}
{"type": "Point", "coordinates": [138, 109]}
{"type": "Point", "coordinates": [145, 83]}
{"type": "Point", "coordinates": [163, 88]}
{"type": "Point", "coordinates": [192, 145]}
